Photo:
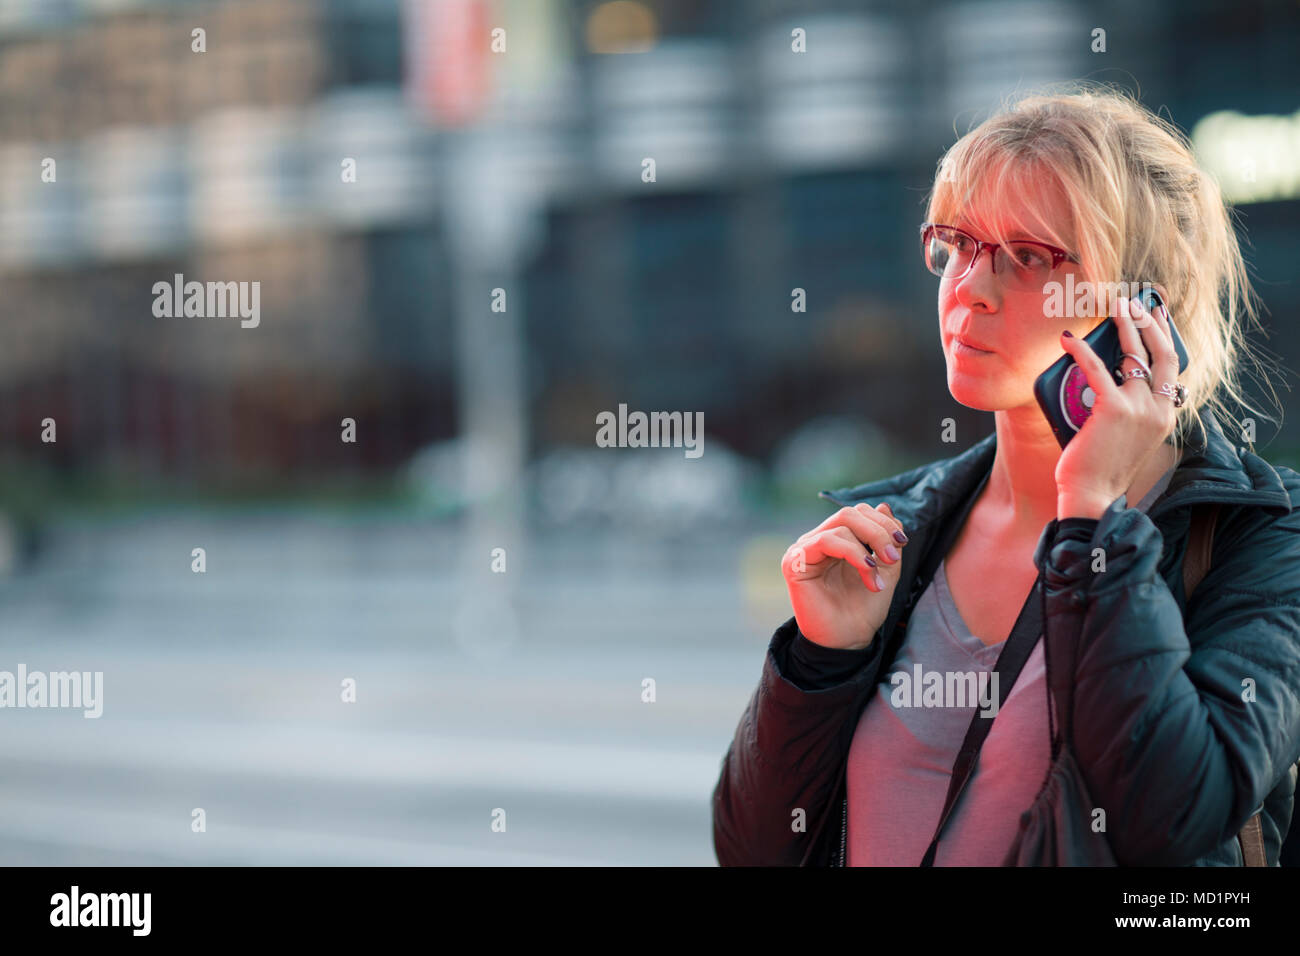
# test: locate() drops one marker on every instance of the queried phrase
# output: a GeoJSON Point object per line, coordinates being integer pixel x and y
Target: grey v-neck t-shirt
{"type": "Point", "coordinates": [907, 739]}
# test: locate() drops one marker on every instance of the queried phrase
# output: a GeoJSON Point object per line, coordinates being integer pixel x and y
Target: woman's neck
{"type": "Point", "coordinates": [1022, 487]}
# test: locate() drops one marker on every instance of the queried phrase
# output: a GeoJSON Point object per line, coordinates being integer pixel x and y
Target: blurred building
{"type": "Point", "coordinates": [774, 171]}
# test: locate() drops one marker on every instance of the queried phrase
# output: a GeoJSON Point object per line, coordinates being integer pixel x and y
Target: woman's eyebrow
{"type": "Point", "coordinates": [1019, 234]}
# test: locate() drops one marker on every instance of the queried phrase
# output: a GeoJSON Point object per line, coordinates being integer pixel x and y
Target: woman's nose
{"type": "Point", "coordinates": [980, 284]}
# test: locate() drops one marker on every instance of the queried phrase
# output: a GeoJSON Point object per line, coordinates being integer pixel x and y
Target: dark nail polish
{"type": "Point", "coordinates": [1069, 334]}
{"type": "Point", "coordinates": [900, 537]}
{"type": "Point", "coordinates": [867, 558]}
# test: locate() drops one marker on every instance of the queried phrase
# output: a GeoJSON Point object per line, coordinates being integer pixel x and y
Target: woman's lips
{"type": "Point", "coordinates": [962, 348]}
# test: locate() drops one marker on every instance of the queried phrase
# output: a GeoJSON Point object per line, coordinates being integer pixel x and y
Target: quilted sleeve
{"type": "Point", "coordinates": [1180, 729]}
{"type": "Point", "coordinates": [787, 754]}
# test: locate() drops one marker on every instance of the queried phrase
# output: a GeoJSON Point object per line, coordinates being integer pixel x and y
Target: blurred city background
{"type": "Point", "coordinates": [381, 169]}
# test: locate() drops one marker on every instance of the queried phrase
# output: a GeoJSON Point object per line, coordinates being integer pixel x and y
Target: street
{"type": "Point", "coordinates": [224, 691]}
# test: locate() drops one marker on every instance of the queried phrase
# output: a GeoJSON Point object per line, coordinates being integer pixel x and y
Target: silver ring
{"type": "Point", "coordinates": [1177, 392]}
{"type": "Point", "coordinates": [1137, 373]}
{"type": "Point", "coordinates": [1145, 366]}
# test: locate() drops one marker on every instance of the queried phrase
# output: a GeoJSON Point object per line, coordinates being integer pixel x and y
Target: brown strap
{"type": "Point", "coordinates": [1200, 542]}
{"type": "Point", "coordinates": [1251, 839]}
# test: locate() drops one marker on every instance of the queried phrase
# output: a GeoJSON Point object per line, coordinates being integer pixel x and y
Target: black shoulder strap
{"type": "Point", "coordinates": [1015, 652]}
{"type": "Point", "coordinates": [1009, 662]}
{"type": "Point", "coordinates": [1019, 645]}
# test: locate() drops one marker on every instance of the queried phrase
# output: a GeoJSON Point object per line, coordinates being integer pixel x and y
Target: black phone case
{"type": "Point", "coordinates": [1062, 390]}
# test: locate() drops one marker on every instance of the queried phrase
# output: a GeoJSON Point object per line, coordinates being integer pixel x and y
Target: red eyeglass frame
{"type": "Point", "coordinates": [1058, 255]}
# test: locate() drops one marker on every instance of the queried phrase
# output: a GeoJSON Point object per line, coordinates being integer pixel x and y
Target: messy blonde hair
{"type": "Point", "coordinates": [1141, 210]}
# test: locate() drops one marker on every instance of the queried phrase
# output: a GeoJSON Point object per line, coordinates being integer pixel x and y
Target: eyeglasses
{"type": "Point", "coordinates": [950, 253]}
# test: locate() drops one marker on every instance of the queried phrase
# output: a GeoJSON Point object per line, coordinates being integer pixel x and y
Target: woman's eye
{"type": "Point", "coordinates": [1030, 257]}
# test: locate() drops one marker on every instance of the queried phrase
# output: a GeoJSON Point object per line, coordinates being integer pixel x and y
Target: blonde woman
{"type": "Point", "coordinates": [1185, 716]}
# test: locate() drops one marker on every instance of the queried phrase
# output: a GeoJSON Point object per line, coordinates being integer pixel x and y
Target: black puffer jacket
{"type": "Point", "coordinates": [1171, 749]}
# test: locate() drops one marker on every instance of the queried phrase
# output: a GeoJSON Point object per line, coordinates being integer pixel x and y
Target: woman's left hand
{"type": "Point", "coordinates": [1128, 421]}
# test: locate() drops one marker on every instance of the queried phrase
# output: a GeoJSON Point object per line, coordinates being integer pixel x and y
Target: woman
{"type": "Point", "coordinates": [1185, 715]}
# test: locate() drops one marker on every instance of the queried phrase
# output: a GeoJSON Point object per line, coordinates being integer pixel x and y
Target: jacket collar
{"type": "Point", "coordinates": [1212, 469]}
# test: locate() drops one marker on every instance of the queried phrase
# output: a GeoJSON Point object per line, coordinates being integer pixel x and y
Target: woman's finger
{"type": "Point", "coordinates": [1156, 337]}
{"type": "Point", "coordinates": [884, 509]}
{"type": "Point", "coordinates": [1130, 339]}
{"type": "Point", "coordinates": [1130, 319]}
{"type": "Point", "coordinates": [837, 543]}
{"type": "Point", "coordinates": [1094, 370]}
{"type": "Point", "coordinates": [868, 525]}
{"type": "Point", "coordinates": [1164, 367]}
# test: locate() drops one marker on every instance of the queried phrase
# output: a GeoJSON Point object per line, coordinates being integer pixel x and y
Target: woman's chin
{"type": "Point", "coordinates": [972, 393]}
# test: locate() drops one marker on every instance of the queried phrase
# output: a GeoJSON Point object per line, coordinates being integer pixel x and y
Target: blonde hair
{"type": "Point", "coordinates": [1141, 210]}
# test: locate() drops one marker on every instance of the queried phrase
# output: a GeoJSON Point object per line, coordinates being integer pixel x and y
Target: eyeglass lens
{"type": "Point", "coordinates": [950, 253]}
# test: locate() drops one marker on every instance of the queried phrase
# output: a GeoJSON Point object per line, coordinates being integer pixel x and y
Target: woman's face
{"type": "Point", "coordinates": [1018, 339]}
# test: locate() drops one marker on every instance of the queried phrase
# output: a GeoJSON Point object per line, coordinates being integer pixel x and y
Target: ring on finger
{"type": "Point", "coordinates": [1145, 367]}
{"type": "Point", "coordinates": [1177, 392]}
{"type": "Point", "coordinates": [1142, 371]}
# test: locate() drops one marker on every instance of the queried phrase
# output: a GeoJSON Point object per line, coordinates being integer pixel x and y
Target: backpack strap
{"type": "Point", "coordinates": [1196, 562]}
{"type": "Point", "coordinates": [1200, 542]}
{"type": "Point", "coordinates": [1251, 839]}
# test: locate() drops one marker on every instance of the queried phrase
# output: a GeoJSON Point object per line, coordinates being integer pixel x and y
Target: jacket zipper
{"type": "Point", "coordinates": [844, 829]}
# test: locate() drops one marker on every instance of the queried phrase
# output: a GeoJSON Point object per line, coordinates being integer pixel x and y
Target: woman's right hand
{"type": "Point", "coordinates": [832, 578]}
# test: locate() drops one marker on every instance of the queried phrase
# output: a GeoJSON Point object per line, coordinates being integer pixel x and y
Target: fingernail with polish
{"type": "Point", "coordinates": [1068, 334]}
{"type": "Point", "coordinates": [900, 537]}
{"type": "Point", "coordinates": [891, 552]}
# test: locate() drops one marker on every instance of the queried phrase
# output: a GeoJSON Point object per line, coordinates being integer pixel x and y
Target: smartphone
{"type": "Point", "coordinates": [1062, 390]}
